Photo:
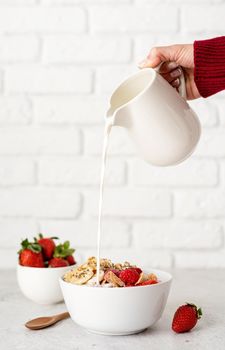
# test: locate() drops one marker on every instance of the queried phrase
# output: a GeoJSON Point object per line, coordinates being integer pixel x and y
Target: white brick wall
{"type": "Point", "coordinates": [131, 203]}
{"type": "Point", "coordinates": [134, 19]}
{"type": "Point", "coordinates": [194, 173]}
{"type": "Point", "coordinates": [43, 80]}
{"type": "Point", "coordinates": [59, 62]}
{"type": "Point", "coordinates": [15, 110]}
{"type": "Point", "coordinates": [80, 171]}
{"type": "Point", "coordinates": [16, 48]}
{"type": "Point", "coordinates": [40, 203]}
{"type": "Point", "coordinates": [79, 109]}
{"type": "Point", "coordinates": [44, 19]}
{"type": "Point", "coordinates": [35, 140]}
{"type": "Point", "coordinates": [85, 49]}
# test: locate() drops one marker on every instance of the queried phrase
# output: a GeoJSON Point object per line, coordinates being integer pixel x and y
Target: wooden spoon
{"type": "Point", "coordinates": [46, 321]}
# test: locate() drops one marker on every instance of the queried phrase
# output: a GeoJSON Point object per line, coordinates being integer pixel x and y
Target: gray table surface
{"type": "Point", "coordinates": [206, 288]}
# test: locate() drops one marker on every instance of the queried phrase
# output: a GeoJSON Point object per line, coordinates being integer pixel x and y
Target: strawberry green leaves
{"type": "Point", "coordinates": [33, 246]}
{"type": "Point", "coordinates": [63, 250]}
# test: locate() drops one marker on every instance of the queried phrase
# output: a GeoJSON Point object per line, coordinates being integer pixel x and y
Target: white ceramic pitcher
{"type": "Point", "coordinates": [159, 120]}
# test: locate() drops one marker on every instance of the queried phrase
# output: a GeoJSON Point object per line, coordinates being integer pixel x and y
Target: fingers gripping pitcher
{"type": "Point", "coordinates": [163, 126]}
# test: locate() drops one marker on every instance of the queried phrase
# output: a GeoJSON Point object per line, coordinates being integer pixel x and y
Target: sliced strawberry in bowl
{"type": "Point", "coordinates": [115, 271]}
{"type": "Point", "coordinates": [129, 276]}
{"type": "Point", "coordinates": [146, 283]}
{"type": "Point", "coordinates": [137, 269]}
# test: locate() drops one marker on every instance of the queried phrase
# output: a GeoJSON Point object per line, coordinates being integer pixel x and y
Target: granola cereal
{"type": "Point", "coordinates": [111, 275]}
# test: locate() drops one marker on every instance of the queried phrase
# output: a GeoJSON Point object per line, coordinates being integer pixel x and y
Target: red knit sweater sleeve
{"type": "Point", "coordinates": [209, 60]}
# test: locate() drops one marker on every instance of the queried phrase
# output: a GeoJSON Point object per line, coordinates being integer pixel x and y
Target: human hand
{"type": "Point", "coordinates": [174, 57]}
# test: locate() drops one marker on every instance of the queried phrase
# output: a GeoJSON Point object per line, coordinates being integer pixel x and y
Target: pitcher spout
{"type": "Point", "coordinates": [117, 117]}
{"type": "Point", "coordinates": [111, 116]}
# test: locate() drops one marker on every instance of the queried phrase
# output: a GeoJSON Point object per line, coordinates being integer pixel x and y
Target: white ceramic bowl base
{"type": "Point", "coordinates": [41, 285]}
{"type": "Point", "coordinates": [117, 311]}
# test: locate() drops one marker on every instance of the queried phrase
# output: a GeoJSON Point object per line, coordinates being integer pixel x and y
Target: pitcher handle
{"type": "Point", "coordinates": [182, 87]}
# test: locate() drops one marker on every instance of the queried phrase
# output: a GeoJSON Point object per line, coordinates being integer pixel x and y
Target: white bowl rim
{"type": "Point", "coordinates": [44, 268]}
{"type": "Point", "coordinates": [61, 280]}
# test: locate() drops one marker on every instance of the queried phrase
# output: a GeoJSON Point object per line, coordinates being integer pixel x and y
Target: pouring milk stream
{"type": "Point", "coordinates": [107, 129]}
{"type": "Point", "coordinates": [159, 120]}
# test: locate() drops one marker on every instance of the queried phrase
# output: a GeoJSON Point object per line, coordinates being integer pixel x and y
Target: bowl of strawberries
{"type": "Point", "coordinates": [41, 262]}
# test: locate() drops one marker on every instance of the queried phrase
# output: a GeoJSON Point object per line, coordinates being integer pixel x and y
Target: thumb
{"type": "Point", "coordinates": [158, 55]}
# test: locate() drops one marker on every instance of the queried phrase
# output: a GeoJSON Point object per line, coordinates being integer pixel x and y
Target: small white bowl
{"type": "Point", "coordinates": [41, 285]}
{"type": "Point", "coordinates": [117, 311]}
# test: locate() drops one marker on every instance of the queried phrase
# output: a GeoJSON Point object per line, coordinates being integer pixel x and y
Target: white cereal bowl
{"type": "Point", "coordinates": [117, 311]}
{"type": "Point", "coordinates": [41, 285]}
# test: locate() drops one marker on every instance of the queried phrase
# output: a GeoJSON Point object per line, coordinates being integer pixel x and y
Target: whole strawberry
{"type": "Point", "coordinates": [64, 251]}
{"type": "Point", "coordinates": [30, 254]}
{"type": "Point", "coordinates": [71, 260]}
{"type": "Point", "coordinates": [48, 246]}
{"type": "Point", "coordinates": [58, 262]}
{"type": "Point", "coordinates": [186, 317]}
{"type": "Point", "coordinates": [129, 276]}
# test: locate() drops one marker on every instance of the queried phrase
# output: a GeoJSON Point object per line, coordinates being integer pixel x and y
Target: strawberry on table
{"type": "Point", "coordinates": [185, 318]}
{"type": "Point", "coordinates": [30, 254]}
{"type": "Point", "coordinates": [58, 262]}
{"type": "Point", "coordinates": [48, 246]}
